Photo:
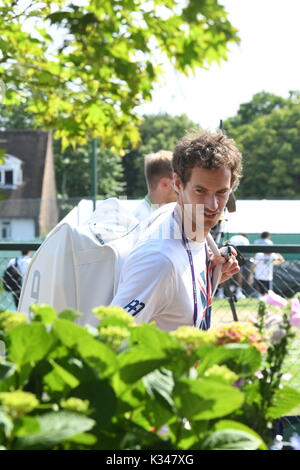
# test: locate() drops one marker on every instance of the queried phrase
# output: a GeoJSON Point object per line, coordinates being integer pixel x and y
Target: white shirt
{"type": "Point", "coordinates": [144, 210]}
{"type": "Point", "coordinates": [264, 266]}
{"type": "Point", "coordinates": [23, 263]}
{"type": "Point", "coordinates": [239, 240]}
{"type": "Point", "coordinates": [156, 281]}
{"type": "Point", "coordinates": [263, 241]}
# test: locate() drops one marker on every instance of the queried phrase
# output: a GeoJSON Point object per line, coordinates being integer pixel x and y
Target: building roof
{"type": "Point", "coordinates": [30, 147]}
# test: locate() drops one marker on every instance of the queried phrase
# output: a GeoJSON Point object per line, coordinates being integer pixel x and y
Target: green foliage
{"type": "Point", "coordinates": [62, 387]}
{"type": "Point", "coordinates": [87, 83]}
{"type": "Point", "coordinates": [73, 390]}
{"type": "Point", "coordinates": [158, 132]}
{"type": "Point", "coordinates": [73, 171]}
{"type": "Point", "coordinates": [267, 130]}
{"type": "Point", "coordinates": [16, 117]}
{"type": "Point", "coordinates": [72, 166]}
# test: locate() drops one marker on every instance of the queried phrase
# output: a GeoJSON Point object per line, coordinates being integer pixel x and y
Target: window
{"type": "Point", "coordinates": [9, 177]}
{"type": "Point", "coordinates": [5, 230]}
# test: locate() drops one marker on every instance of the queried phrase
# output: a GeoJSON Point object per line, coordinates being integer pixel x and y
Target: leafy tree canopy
{"type": "Point", "coordinates": [82, 68]}
{"type": "Point", "coordinates": [261, 104]}
{"type": "Point", "coordinates": [269, 138]}
{"type": "Point", "coordinates": [72, 166]}
{"type": "Point", "coordinates": [73, 172]}
{"type": "Point", "coordinates": [158, 132]}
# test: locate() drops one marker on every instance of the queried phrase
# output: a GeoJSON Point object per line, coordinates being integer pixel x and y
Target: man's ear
{"type": "Point", "coordinates": [177, 183]}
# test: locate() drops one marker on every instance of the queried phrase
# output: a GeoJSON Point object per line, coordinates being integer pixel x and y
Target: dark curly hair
{"type": "Point", "coordinates": [206, 150]}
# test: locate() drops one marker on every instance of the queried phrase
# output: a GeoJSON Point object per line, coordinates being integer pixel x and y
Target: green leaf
{"type": "Point", "coordinates": [7, 369]}
{"type": "Point", "coordinates": [43, 313]}
{"type": "Point", "coordinates": [5, 422]}
{"type": "Point", "coordinates": [152, 338]}
{"type": "Point", "coordinates": [284, 401]}
{"type": "Point", "coordinates": [58, 379]}
{"type": "Point", "coordinates": [230, 439]}
{"type": "Point", "coordinates": [159, 385]}
{"type": "Point", "coordinates": [140, 361]}
{"type": "Point", "coordinates": [152, 414]}
{"type": "Point", "coordinates": [55, 427]}
{"type": "Point", "coordinates": [26, 425]}
{"type": "Point", "coordinates": [28, 343]}
{"type": "Point", "coordinates": [228, 425]}
{"type": "Point", "coordinates": [69, 314]}
{"type": "Point", "coordinates": [99, 356]}
{"type": "Point", "coordinates": [68, 333]}
{"type": "Point", "coordinates": [243, 359]}
{"type": "Point", "coordinates": [205, 399]}
{"type": "Point", "coordinates": [95, 353]}
{"type": "Point", "coordinates": [83, 438]}
{"type": "Point", "coordinates": [102, 399]}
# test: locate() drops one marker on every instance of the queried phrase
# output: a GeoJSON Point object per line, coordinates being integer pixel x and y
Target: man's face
{"type": "Point", "coordinates": [207, 191]}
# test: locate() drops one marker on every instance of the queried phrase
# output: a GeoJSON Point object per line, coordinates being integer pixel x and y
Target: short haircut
{"type": "Point", "coordinates": [206, 150]}
{"type": "Point", "coordinates": [158, 165]}
{"type": "Point", "coordinates": [265, 235]}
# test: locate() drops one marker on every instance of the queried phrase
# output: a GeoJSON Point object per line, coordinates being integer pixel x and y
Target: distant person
{"type": "Point", "coordinates": [263, 276]}
{"type": "Point", "coordinates": [14, 275]}
{"type": "Point", "coordinates": [159, 179]}
{"type": "Point", "coordinates": [264, 239]}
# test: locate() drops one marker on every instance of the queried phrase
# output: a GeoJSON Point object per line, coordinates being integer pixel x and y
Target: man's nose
{"type": "Point", "coordinates": [211, 202]}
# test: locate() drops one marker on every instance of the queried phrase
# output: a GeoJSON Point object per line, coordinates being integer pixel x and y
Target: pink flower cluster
{"type": "Point", "coordinates": [274, 299]}
{"type": "Point", "coordinates": [239, 332]}
{"type": "Point", "coordinates": [295, 312]}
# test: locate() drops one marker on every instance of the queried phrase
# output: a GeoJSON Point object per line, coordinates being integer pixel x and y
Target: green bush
{"type": "Point", "coordinates": [123, 386]}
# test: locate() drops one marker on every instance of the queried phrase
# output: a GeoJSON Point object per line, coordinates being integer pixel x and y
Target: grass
{"type": "Point", "coordinates": [244, 309]}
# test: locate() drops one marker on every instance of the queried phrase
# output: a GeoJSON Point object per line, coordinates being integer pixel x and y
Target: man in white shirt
{"type": "Point", "coordinates": [159, 178]}
{"type": "Point", "coordinates": [264, 271]}
{"type": "Point", "coordinates": [167, 277]}
{"type": "Point", "coordinates": [264, 239]}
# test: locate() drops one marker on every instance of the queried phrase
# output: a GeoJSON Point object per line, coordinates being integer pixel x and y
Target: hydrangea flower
{"type": "Point", "coordinates": [18, 403]}
{"type": "Point", "coordinates": [239, 332]}
{"type": "Point", "coordinates": [75, 404]}
{"type": "Point", "coordinates": [223, 373]}
{"type": "Point", "coordinates": [274, 299]}
{"type": "Point", "coordinates": [9, 320]}
{"type": "Point", "coordinates": [113, 335]}
{"type": "Point", "coordinates": [192, 338]}
{"type": "Point", "coordinates": [113, 312]}
{"type": "Point", "coordinates": [295, 313]}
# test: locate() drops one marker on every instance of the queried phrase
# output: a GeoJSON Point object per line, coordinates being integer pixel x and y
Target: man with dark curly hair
{"type": "Point", "coordinates": [169, 277]}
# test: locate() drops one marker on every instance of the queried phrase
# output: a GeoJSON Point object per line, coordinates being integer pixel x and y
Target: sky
{"type": "Point", "coordinates": [267, 59]}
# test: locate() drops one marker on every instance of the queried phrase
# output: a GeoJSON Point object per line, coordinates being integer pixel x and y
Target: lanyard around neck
{"type": "Point", "coordinates": [191, 261]}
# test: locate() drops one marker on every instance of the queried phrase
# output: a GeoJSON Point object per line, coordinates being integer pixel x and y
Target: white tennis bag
{"type": "Point", "coordinates": [78, 267]}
